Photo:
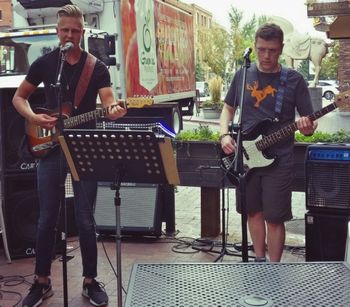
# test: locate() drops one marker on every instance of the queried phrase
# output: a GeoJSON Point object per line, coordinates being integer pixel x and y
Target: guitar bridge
{"type": "Point", "coordinates": [43, 146]}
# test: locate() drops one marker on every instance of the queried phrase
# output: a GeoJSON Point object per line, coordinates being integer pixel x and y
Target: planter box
{"type": "Point", "coordinates": [198, 163]}
{"type": "Point", "coordinates": [209, 113]}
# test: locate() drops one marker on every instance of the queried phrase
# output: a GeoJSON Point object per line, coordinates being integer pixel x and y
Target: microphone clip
{"type": "Point", "coordinates": [247, 53]}
{"type": "Point", "coordinates": [68, 46]}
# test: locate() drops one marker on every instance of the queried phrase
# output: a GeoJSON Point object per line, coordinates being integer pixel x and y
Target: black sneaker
{"type": "Point", "coordinates": [260, 259]}
{"type": "Point", "coordinates": [37, 293]}
{"type": "Point", "coordinates": [96, 293]}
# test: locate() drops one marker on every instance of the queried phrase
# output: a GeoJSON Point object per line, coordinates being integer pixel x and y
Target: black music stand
{"type": "Point", "coordinates": [119, 156]}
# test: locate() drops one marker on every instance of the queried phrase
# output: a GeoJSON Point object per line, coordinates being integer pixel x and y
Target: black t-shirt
{"type": "Point", "coordinates": [259, 104]}
{"type": "Point", "coordinates": [45, 69]}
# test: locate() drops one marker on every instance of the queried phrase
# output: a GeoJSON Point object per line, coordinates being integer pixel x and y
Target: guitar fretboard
{"type": "Point", "coordinates": [273, 138]}
{"type": "Point", "coordinates": [74, 121]}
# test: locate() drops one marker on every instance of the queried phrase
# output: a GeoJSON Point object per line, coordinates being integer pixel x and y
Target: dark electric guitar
{"type": "Point", "coordinates": [254, 143]}
{"type": "Point", "coordinates": [41, 141]}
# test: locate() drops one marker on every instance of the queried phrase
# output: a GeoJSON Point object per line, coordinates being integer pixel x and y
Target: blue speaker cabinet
{"type": "Point", "coordinates": [328, 178]}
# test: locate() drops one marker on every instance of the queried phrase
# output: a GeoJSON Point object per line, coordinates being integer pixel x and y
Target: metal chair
{"type": "Point", "coordinates": [3, 233]}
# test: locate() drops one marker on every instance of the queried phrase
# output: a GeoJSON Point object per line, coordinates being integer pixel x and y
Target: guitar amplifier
{"type": "Point", "coordinates": [12, 132]}
{"type": "Point", "coordinates": [328, 177]}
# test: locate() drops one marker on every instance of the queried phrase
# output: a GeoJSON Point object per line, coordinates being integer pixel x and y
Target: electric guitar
{"type": "Point", "coordinates": [41, 140]}
{"type": "Point", "coordinates": [254, 143]}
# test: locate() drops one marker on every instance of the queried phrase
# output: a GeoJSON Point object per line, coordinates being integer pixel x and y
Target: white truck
{"type": "Point", "coordinates": [147, 44]}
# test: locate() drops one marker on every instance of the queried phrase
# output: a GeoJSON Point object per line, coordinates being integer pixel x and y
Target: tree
{"type": "Point", "coordinates": [242, 36]}
{"type": "Point", "coordinates": [330, 63]}
{"type": "Point", "coordinates": [303, 69]}
{"type": "Point", "coordinates": [199, 72]}
{"type": "Point", "coordinates": [214, 48]}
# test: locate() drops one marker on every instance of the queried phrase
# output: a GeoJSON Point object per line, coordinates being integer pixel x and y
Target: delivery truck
{"type": "Point", "coordinates": [148, 46]}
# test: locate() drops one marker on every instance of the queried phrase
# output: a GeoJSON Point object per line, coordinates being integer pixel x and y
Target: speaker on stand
{"type": "Point", "coordinates": [328, 202]}
{"type": "Point", "coordinates": [12, 133]}
{"type": "Point", "coordinates": [21, 213]}
{"type": "Point", "coordinates": [19, 200]}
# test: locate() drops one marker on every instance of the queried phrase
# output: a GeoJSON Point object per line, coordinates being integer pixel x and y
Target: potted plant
{"type": "Point", "coordinates": [212, 108]}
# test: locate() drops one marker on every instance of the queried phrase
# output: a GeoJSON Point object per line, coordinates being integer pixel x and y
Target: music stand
{"type": "Point", "coordinates": [119, 156]}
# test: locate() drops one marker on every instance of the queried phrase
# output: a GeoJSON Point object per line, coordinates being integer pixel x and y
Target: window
{"type": "Point", "coordinates": [0, 14]}
{"type": "Point", "coordinates": [18, 53]}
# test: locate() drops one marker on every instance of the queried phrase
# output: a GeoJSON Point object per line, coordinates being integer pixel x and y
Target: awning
{"type": "Point", "coordinates": [340, 28]}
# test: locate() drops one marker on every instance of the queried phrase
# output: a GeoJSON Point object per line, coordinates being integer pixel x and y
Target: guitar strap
{"type": "Point", "coordinates": [280, 92]}
{"type": "Point", "coordinates": [84, 79]}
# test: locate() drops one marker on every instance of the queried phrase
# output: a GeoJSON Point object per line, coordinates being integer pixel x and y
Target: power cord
{"type": "Point", "coordinates": [12, 281]}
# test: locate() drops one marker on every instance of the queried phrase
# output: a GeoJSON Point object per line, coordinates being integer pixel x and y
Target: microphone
{"type": "Point", "coordinates": [68, 46]}
{"type": "Point", "coordinates": [247, 52]}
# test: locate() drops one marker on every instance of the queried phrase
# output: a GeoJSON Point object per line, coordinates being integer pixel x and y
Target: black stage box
{"type": "Point", "coordinates": [325, 236]}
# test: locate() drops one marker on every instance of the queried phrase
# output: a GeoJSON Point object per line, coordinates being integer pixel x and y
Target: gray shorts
{"type": "Point", "coordinates": [269, 190]}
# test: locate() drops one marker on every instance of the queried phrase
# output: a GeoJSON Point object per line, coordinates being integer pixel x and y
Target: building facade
{"type": "Point", "coordinates": [202, 21]}
{"type": "Point", "coordinates": [5, 14]}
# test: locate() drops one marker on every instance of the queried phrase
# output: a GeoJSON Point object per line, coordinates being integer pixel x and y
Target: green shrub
{"type": "Point", "coordinates": [324, 137]}
{"type": "Point", "coordinates": [202, 133]}
{"type": "Point", "coordinates": [214, 105]}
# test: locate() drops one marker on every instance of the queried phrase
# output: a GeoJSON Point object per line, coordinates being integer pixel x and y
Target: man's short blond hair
{"type": "Point", "coordinates": [70, 10]}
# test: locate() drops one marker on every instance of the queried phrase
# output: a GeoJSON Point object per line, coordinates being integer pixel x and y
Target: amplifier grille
{"type": "Point", "coordinates": [328, 185]}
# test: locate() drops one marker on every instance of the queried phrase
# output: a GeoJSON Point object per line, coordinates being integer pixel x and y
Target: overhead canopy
{"type": "Point", "coordinates": [340, 28]}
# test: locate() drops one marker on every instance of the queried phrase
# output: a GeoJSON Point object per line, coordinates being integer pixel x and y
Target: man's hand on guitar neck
{"type": "Point", "coordinates": [117, 110]}
{"type": "Point", "coordinates": [306, 126]}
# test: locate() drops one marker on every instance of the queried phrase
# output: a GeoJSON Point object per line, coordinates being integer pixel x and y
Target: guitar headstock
{"type": "Point", "coordinates": [342, 100]}
{"type": "Point", "coordinates": [139, 102]}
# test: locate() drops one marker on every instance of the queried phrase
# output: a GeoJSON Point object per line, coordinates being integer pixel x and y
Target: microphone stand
{"type": "Point", "coordinates": [63, 209]}
{"type": "Point", "coordinates": [238, 163]}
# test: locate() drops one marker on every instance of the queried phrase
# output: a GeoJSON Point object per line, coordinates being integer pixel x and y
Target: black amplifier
{"type": "Point", "coordinates": [328, 177]}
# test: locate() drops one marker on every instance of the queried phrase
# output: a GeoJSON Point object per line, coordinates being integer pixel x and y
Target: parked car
{"type": "Point", "coordinates": [330, 88]}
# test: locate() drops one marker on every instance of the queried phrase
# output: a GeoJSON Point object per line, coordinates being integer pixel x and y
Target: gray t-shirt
{"type": "Point", "coordinates": [259, 105]}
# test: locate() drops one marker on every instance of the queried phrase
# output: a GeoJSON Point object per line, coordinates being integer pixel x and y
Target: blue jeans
{"type": "Point", "coordinates": [49, 186]}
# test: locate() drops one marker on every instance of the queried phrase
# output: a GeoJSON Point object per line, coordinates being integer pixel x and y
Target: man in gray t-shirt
{"type": "Point", "coordinates": [268, 190]}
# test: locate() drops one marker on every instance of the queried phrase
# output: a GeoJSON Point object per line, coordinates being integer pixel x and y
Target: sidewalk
{"type": "Point", "coordinates": [199, 118]}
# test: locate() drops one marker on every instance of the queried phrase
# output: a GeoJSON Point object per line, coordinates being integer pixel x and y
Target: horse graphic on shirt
{"type": "Point", "coordinates": [260, 95]}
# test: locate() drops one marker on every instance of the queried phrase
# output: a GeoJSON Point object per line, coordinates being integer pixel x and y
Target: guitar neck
{"type": "Point", "coordinates": [74, 121]}
{"type": "Point", "coordinates": [132, 102]}
{"type": "Point", "coordinates": [269, 140]}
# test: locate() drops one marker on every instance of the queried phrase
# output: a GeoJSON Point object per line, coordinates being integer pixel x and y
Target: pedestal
{"type": "Point", "coordinates": [316, 97]}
